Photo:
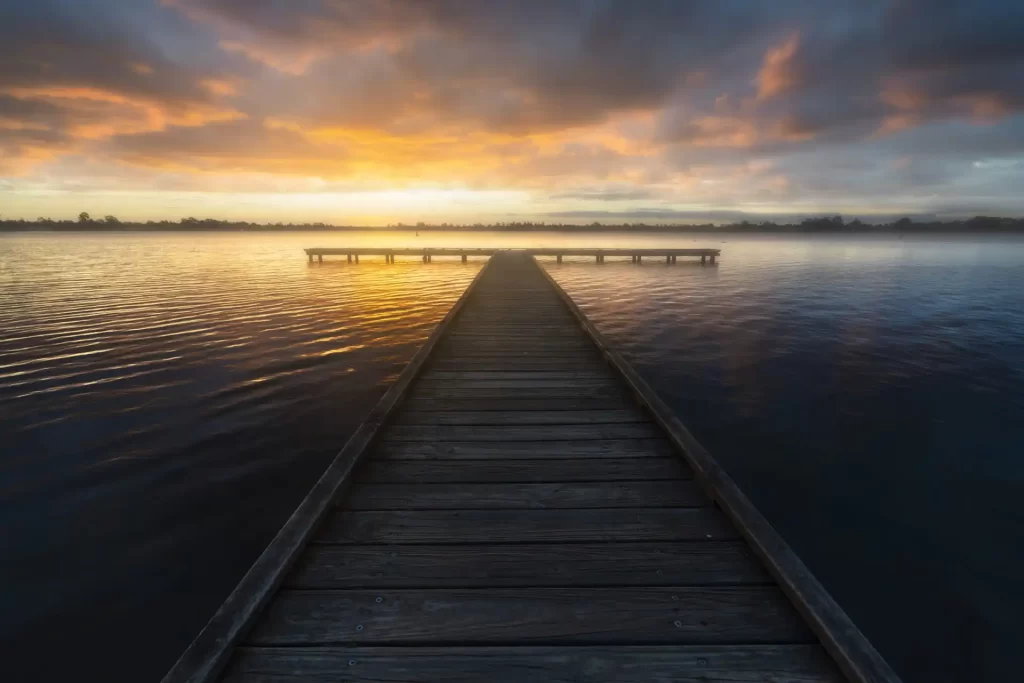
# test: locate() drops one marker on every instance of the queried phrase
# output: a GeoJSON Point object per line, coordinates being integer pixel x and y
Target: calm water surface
{"type": "Point", "coordinates": [167, 399]}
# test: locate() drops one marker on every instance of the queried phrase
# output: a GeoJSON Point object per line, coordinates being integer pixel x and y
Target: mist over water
{"type": "Point", "coordinates": [167, 399]}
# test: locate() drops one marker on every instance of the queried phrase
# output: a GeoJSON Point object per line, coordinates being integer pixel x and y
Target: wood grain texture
{"type": "Point", "coordinates": [464, 392]}
{"type": "Point", "coordinates": [622, 664]}
{"type": "Point", "coordinates": [519, 417]}
{"type": "Point", "coordinates": [676, 615]}
{"type": "Point", "coordinates": [553, 470]}
{"type": "Point", "coordinates": [558, 432]}
{"type": "Point", "coordinates": [208, 653]}
{"type": "Point", "coordinates": [525, 526]}
{"type": "Point", "coordinates": [484, 450]}
{"type": "Point", "coordinates": [517, 404]}
{"type": "Point", "coordinates": [476, 566]}
{"type": "Point", "coordinates": [507, 496]}
{"type": "Point", "coordinates": [853, 653]}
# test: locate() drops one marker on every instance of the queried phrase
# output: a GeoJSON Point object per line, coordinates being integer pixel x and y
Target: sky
{"type": "Point", "coordinates": [378, 111]}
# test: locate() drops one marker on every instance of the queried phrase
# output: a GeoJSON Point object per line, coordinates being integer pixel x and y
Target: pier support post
{"type": "Point", "coordinates": [463, 258]}
{"type": "Point", "coordinates": [639, 258]}
{"type": "Point", "coordinates": [703, 259]}
{"type": "Point", "coordinates": [350, 258]}
{"type": "Point", "coordinates": [712, 259]}
{"type": "Point", "coordinates": [357, 258]}
{"type": "Point", "coordinates": [321, 257]}
{"type": "Point", "coordinates": [668, 259]}
{"type": "Point", "coordinates": [559, 257]}
{"type": "Point", "coordinates": [310, 258]}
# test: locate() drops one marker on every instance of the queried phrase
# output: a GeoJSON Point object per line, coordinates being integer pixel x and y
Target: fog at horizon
{"type": "Point", "coordinates": [374, 112]}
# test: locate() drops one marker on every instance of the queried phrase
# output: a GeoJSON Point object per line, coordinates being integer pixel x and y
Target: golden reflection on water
{"type": "Point", "coordinates": [166, 397]}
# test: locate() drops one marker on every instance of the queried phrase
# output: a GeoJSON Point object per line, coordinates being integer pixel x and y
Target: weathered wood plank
{"type": "Point", "coordinates": [525, 526]}
{"type": "Point", "coordinates": [462, 391]}
{"type": "Point", "coordinates": [546, 564]}
{"type": "Point", "coordinates": [566, 385]}
{"type": "Point", "coordinates": [590, 432]}
{"type": "Point", "coordinates": [508, 496]}
{"type": "Point", "coordinates": [622, 664]}
{"type": "Point", "coordinates": [855, 656]}
{"type": "Point", "coordinates": [598, 374]}
{"type": "Point", "coordinates": [435, 433]}
{"type": "Point", "coordinates": [513, 364]}
{"type": "Point", "coordinates": [520, 417]}
{"type": "Point", "coordinates": [523, 471]}
{"type": "Point", "coordinates": [677, 615]}
{"type": "Point", "coordinates": [485, 450]}
{"type": "Point", "coordinates": [415, 403]}
{"type": "Point", "coordinates": [208, 653]}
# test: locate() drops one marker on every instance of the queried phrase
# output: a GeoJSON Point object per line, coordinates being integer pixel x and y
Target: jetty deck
{"type": "Point", "coordinates": [427, 254]}
{"type": "Point", "coordinates": [520, 506]}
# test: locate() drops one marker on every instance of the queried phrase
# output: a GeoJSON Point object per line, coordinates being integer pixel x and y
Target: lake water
{"type": "Point", "coordinates": [167, 399]}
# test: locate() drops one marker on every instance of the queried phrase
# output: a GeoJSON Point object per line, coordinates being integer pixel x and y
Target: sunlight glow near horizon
{"type": "Point", "coordinates": [372, 113]}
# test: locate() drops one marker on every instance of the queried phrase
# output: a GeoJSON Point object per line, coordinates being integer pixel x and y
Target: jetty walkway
{"type": "Point", "coordinates": [520, 506]}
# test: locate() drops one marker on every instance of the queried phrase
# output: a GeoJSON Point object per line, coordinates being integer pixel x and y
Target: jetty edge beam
{"type": "Point", "coordinates": [521, 344]}
{"type": "Point", "coordinates": [426, 254]}
{"type": "Point", "coordinates": [205, 658]}
{"type": "Point", "coordinates": [856, 657]}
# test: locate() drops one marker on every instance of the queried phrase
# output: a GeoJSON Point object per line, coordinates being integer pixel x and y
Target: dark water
{"type": "Point", "coordinates": [868, 395]}
{"type": "Point", "coordinates": [166, 400]}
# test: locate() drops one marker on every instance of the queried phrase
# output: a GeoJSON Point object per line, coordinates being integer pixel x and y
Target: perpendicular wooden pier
{"type": "Point", "coordinates": [426, 254]}
{"type": "Point", "coordinates": [521, 506]}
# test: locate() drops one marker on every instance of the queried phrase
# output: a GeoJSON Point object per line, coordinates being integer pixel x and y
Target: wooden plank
{"type": "Point", "coordinates": [432, 375]}
{"type": "Point", "coordinates": [415, 403]}
{"type": "Point", "coordinates": [456, 348]}
{"type": "Point", "coordinates": [622, 664]}
{"type": "Point", "coordinates": [554, 384]}
{"type": "Point", "coordinates": [206, 656]}
{"type": "Point", "coordinates": [447, 391]}
{"type": "Point", "coordinates": [622, 616]}
{"type": "Point", "coordinates": [853, 653]}
{"type": "Point", "coordinates": [553, 470]}
{"type": "Point", "coordinates": [588, 432]}
{"type": "Point", "coordinates": [484, 450]}
{"type": "Point", "coordinates": [550, 564]}
{"type": "Point", "coordinates": [521, 417]}
{"type": "Point", "coordinates": [543, 496]}
{"type": "Point", "coordinates": [526, 526]}
{"type": "Point", "coordinates": [515, 364]}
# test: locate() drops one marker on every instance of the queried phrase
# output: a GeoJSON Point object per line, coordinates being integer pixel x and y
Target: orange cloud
{"type": "Point", "coordinates": [779, 71]}
{"type": "Point", "coordinates": [220, 87]}
{"type": "Point", "coordinates": [95, 113]}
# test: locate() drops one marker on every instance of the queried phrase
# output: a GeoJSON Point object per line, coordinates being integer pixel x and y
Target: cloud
{"type": "Point", "coordinates": [779, 72]}
{"type": "Point", "coordinates": [575, 101]}
{"type": "Point", "coordinates": [73, 74]}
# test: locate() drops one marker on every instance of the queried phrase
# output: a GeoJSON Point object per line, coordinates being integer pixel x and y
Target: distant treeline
{"type": "Point", "coordinates": [828, 224]}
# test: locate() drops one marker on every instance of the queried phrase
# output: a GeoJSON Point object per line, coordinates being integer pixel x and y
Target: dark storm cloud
{"type": "Point", "coordinates": [585, 100]}
{"type": "Point", "coordinates": [90, 69]}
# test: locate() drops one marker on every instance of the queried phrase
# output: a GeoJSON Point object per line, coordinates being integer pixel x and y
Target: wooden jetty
{"type": "Point", "coordinates": [428, 253]}
{"type": "Point", "coordinates": [520, 506]}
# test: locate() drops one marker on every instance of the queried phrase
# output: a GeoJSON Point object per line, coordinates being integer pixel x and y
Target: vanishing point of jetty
{"type": "Point", "coordinates": [521, 506]}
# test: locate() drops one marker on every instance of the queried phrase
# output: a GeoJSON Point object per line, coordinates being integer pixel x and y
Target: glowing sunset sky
{"type": "Point", "coordinates": [380, 111]}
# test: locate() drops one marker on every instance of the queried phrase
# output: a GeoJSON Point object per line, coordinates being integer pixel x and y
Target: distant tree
{"type": "Point", "coordinates": [84, 218]}
{"type": "Point", "coordinates": [111, 220]}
